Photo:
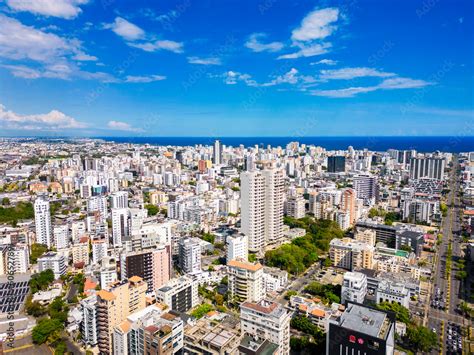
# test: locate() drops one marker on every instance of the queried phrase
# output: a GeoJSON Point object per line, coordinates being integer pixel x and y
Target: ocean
{"type": "Point", "coordinates": [454, 144]}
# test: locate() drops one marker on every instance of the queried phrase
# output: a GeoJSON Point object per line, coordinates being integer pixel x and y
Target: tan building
{"type": "Point", "coordinates": [348, 204]}
{"type": "Point", "coordinates": [367, 236]}
{"type": "Point", "coordinates": [246, 280]}
{"type": "Point", "coordinates": [158, 197]}
{"type": "Point", "coordinates": [115, 305]}
{"type": "Point", "coordinates": [80, 251]}
{"type": "Point", "coordinates": [349, 254]}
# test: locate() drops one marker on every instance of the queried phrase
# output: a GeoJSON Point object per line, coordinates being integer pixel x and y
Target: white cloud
{"type": "Point", "coordinates": [122, 126]}
{"type": "Point", "coordinates": [125, 29]}
{"type": "Point", "coordinates": [144, 79]}
{"type": "Point", "coordinates": [53, 120]}
{"type": "Point", "coordinates": [232, 77]}
{"type": "Point", "coordinates": [21, 71]}
{"type": "Point", "coordinates": [325, 62]}
{"type": "Point", "coordinates": [318, 24]}
{"type": "Point", "coordinates": [254, 44]}
{"type": "Point", "coordinates": [67, 9]}
{"type": "Point", "coordinates": [307, 50]}
{"type": "Point", "coordinates": [386, 84]}
{"type": "Point", "coordinates": [204, 61]}
{"type": "Point", "coordinates": [83, 57]}
{"type": "Point", "coordinates": [172, 46]}
{"type": "Point", "coordinates": [352, 73]}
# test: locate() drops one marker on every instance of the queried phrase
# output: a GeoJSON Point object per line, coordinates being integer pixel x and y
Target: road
{"type": "Point", "coordinates": [438, 319]}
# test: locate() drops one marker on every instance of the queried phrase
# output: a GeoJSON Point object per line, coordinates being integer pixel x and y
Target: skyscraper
{"type": "Point", "coordinates": [336, 164]}
{"type": "Point", "coordinates": [43, 222]}
{"type": "Point", "coordinates": [262, 207]}
{"type": "Point", "coordinates": [120, 225]}
{"type": "Point", "coordinates": [427, 167]}
{"type": "Point", "coordinates": [217, 152]}
{"type": "Point", "coordinates": [367, 187]}
{"type": "Point", "coordinates": [348, 203]}
{"type": "Point", "coordinates": [190, 255]}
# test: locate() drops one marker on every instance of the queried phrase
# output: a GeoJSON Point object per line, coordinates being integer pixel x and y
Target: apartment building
{"type": "Point", "coordinates": [350, 254]}
{"type": "Point", "coordinates": [246, 280]}
{"type": "Point", "coordinates": [180, 294]}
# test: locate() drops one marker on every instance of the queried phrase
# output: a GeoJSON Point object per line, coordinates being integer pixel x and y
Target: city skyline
{"type": "Point", "coordinates": [329, 68]}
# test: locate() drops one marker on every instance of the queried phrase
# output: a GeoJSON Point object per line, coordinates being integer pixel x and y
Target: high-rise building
{"type": "Point", "coordinates": [180, 294]}
{"type": "Point", "coordinates": [268, 320]}
{"type": "Point", "coordinates": [190, 256]}
{"type": "Point", "coordinates": [350, 254]}
{"type": "Point", "coordinates": [120, 225]}
{"type": "Point", "coordinates": [427, 167]}
{"type": "Point", "coordinates": [237, 247]}
{"type": "Point", "coordinates": [246, 280]}
{"type": "Point", "coordinates": [97, 204]}
{"type": "Point", "coordinates": [153, 266]}
{"type": "Point", "coordinates": [348, 204]}
{"type": "Point", "coordinates": [366, 187]}
{"type": "Point", "coordinates": [217, 152]}
{"type": "Point", "coordinates": [361, 330]}
{"type": "Point", "coordinates": [44, 231]}
{"type": "Point", "coordinates": [295, 206]}
{"type": "Point", "coordinates": [262, 207]}
{"type": "Point", "coordinates": [354, 287]}
{"type": "Point", "coordinates": [53, 261]}
{"type": "Point", "coordinates": [336, 164]}
{"type": "Point", "coordinates": [88, 326]}
{"type": "Point", "coordinates": [115, 305]}
{"type": "Point", "coordinates": [61, 236]}
{"type": "Point", "coordinates": [119, 199]}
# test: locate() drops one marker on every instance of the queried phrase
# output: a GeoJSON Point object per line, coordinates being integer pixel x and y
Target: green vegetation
{"type": "Point", "coordinates": [289, 294]}
{"type": "Point", "coordinates": [79, 280]}
{"type": "Point", "coordinates": [422, 339]}
{"type": "Point", "coordinates": [252, 257]}
{"type": "Point", "coordinates": [5, 201]}
{"type": "Point", "coordinates": [391, 217]}
{"type": "Point", "coordinates": [444, 209]}
{"type": "Point", "coordinates": [402, 314]}
{"type": "Point", "coordinates": [202, 310]}
{"type": "Point", "coordinates": [302, 252]}
{"type": "Point", "coordinates": [235, 188]}
{"type": "Point", "coordinates": [316, 340]}
{"type": "Point", "coordinates": [58, 309]}
{"type": "Point", "coordinates": [328, 293]}
{"type": "Point", "coordinates": [41, 281]}
{"type": "Point", "coordinates": [22, 210]}
{"type": "Point", "coordinates": [35, 308]}
{"type": "Point", "coordinates": [208, 237]}
{"type": "Point", "coordinates": [36, 251]}
{"type": "Point", "coordinates": [152, 210]}
{"type": "Point", "coordinates": [47, 330]}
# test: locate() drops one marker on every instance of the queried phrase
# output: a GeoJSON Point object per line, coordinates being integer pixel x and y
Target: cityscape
{"type": "Point", "coordinates": [239, 177]}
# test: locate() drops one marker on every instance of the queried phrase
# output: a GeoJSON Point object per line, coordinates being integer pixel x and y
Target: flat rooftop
{"type": "Point", "coordinates": [365, 320]}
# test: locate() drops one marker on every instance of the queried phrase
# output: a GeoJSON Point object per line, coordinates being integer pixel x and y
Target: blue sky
{"type": "Point", "coordinates": [236, 68]}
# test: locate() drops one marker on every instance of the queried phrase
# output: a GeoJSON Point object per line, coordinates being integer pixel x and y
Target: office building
{"type": "Point", "coordinates": [268, 320]}
{"type": "Point", "coordinates": [361, 330]}
{"type": "Point", "coordinates": [336, 164]}
{"type": "Point", "coordinates": [44, 230]}
{"type": "Point", "coordinates": [427, 167]}
{"type": "Point", "coordinates": [246, 280]}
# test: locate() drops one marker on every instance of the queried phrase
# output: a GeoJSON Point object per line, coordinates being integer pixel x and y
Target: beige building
{"type": "Point", "coordinates": [350, 254]}
{"type": "Point", "coordinates": [115, 305]}
{"type": "Point", "coordinates": [80, 251]}
{"type": "Point", "coordinates": [158, 197]}
{"type": "Point", "coordinates": [367, 236]}
{"type": "Point", "coordinates": [246, 280]}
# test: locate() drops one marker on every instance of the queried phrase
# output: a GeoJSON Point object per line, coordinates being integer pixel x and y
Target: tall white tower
{"type": "Point", "coordinates": [43, 222]}
{"type": "Point", "coordinates": [217, 152]}
{"type": "Point", "coordinates": [262, 207]}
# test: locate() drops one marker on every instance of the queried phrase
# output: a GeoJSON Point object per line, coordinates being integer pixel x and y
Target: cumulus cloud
{"type": "Point", "coordinates": [122, 126]}
{"type": "Point", "coordinates": [53, 120]}
{"type": "Point", "coordinates": [318, 24]}
{"type": "Point", "coordinates": [233, 77]}
{"type": "Point", "coordinates": [144, 79]}
{"type": "Point", "coordinates": [125, 29]}
{"type": "Point", "coordinates": [307, 50]}
{"type": "Point", "coordinates": [254, 44]}
{"type": "Point", "coordinates": [204, 61]}
{"type": "Point", "coordinates": [172, 46]}
{"type": "Point", "coordinates": [67, 9]}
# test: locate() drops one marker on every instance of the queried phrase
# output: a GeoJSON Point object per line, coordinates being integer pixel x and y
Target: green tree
{"type": "Point", "coordinates": [422, 339]}
{"type": "Point", "coordinates": [201, 310]}
{"type": "Point", "coordinates": [36, 251]}
{"type": "Point", "coordinates": [5, 201]}
{"type": "Point", "coordinates": [41, 281]}
{"type": "Point", "coordinates": [46, 330]}
{"type": "Point", "coordinates": [402, 313]}
{"type": "Point", "coordinates": [290, 293]}
{"type": "Point", "coordinates": [152, 210]}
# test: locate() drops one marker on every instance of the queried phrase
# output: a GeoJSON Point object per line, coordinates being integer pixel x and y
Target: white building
{"type": "Point", "coordinates": [295, 207]}
{"type": "Point", "coordinates": [180, 294]}
{"type": "Point", "coordinates": [269, 320]}
{"type": "Point", "coordinates": [237, 247]}
{"type": "Point", "coordinates": [53, 261]}
{"type": "Point", "coordinates": [354, 287]}
{"type": "Point", "coordinates": [97, 204]}
{"type": "Point", "coordinates": [99, 250]}
{"type": "Point", "coordinates": [190, 256]}
{"type": "Point", "coordinates": [119, 199]}
{"type": "Point", "coordinates": [61, 236]}
{"type": "Point", "coordinates": [393, 292]}
{"type": "Point", "coordinates": [274, 279]}
{"type": "Point", "coordinates": [89, 320]}
{"type": "Point", "coordinates": [43, 226]}
{"type": "Point", "coordinates": [120, 225]}
{"type": "Point", "coordinates": [262, 207]}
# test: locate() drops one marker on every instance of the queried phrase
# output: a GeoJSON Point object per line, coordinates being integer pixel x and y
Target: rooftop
{"type": "Point", "coordinates": [365, 320]}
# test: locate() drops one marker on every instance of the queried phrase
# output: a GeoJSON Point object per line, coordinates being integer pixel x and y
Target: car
{"type": "Point", "coordinates": [433, 330]}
